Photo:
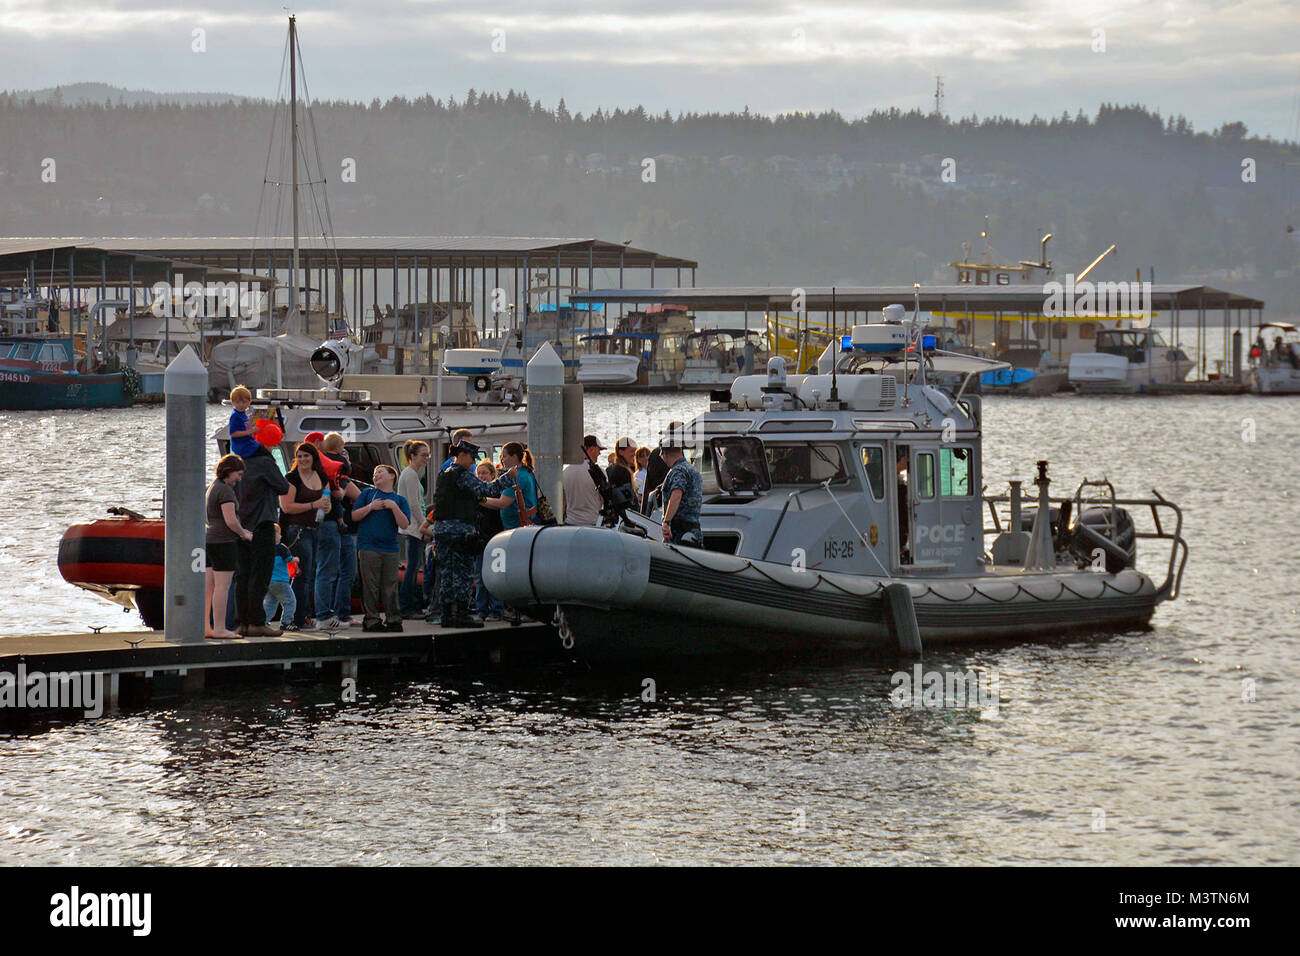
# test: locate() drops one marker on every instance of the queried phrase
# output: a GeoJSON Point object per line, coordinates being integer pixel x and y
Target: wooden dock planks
{"type": "Point", "coordinates": [141, 652]}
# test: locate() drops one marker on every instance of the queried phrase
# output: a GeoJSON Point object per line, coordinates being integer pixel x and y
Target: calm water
{"type": "Point", "coordinates": [1146, 731]}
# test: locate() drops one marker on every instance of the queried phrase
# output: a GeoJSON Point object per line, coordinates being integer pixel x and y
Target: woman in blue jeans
{"type": "Point", "coordinates": [336, 550]}
{"type": "Point", "coordinates": [308, 494]}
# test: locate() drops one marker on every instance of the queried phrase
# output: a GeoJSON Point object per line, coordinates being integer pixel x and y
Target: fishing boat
{"type": "Point", "coordinates": [41, 370]}
{"type": "Point", "coordinates": [1128, 361]}
{"type": "Point", "coordinates": [1275, 367]}
{"type": "Point", "coordinates": [1038, 348]}
{"type": "Point", "coordinates": [843, 512]}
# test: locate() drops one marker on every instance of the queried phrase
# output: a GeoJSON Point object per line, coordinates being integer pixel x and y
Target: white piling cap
{"type": "Point", "coordinates": [545, 368]}
{"type": "Point", "coordinates": [185, 375]}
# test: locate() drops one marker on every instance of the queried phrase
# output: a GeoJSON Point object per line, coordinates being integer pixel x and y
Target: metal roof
{"type": "Point", "coordinates": [60, 260]}
{"type": "Point", "coordinates": [936, 298]}
{"type": "Point", "coordinates": [366, 251]}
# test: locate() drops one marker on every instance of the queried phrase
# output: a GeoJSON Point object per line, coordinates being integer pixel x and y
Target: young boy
{"type": "Point", "coordinates": [380, 512]}
{"type": "Point", "coordinates": [242, 440]}
{"type": "Point", "coordinates": [280, 591]}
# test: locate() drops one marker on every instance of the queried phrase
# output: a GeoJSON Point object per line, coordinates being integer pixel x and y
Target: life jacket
{"type": "Point", "coordinates": [450, 501]}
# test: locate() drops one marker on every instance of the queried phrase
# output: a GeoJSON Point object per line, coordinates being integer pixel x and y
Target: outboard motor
{"type": "Point", "coordinates": [1109, 529]}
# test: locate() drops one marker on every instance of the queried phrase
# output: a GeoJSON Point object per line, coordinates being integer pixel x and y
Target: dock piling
{"type": "Point", "coordinates": [545, 379]}
{"type": "Point", "coordinates": [185, 385]}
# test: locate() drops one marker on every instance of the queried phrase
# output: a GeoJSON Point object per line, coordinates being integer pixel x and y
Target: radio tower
{"type": "Point", "coordinates": [938, 95]}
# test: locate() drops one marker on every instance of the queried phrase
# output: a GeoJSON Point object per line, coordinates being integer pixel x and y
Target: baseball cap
{"type": "Point", "coordinates": [591, 441]}
{"type": "Point", "coordinates": [674, 436]}
{"type": "Point", "coordinates": [625, 442]}
{"type": "Point", "coordinates": [465, 445]}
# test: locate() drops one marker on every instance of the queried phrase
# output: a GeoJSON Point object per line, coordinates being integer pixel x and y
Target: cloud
{"type": "Point", "coordinates": [1212, 61]}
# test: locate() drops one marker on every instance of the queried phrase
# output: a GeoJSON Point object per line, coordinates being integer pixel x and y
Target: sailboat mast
{"type": "Point", "coordinates": [293, 157]}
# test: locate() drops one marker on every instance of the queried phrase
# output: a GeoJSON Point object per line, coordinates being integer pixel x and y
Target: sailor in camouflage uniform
{"type": "Point", "coordinates": [683, 493]}
{"type": "Point", "coordinates": [455, 536]}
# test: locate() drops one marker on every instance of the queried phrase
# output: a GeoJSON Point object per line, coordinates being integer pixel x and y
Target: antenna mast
{"type": "Point", "coordinates": [293, 154]}
{"type": "Point", "coordinates": [835, 350]}
{"type": "Point", "coordinates": [938, 95]}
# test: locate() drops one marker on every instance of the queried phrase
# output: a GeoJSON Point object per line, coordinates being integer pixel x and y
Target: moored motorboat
{"type": "Point", "coordinates": [41, 370]}
{"type": "Point", "coordinates": [1128, 360]}
{"type": "Point", "coordinates": [613, 369]}
{"type": "Point", "coordinates": [842, 512]}
{"type": "Point", "coordinates": [1275, 367]}
{"type": "Point", "coordinates": [119, 558]}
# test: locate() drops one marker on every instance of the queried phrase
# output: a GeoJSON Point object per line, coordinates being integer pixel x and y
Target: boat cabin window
{"type": "Point", "coordinates": [804, 463]}
{"type": "Point", "coordinates": [873, 460]}
{"type": "Point", "coordinates": [344, 425]}
{"type": "Point", "coordinates": [1122, 342]}
{"type": "Point", "coordinates": [402, 424]}
{"type": "Point", "coordinates": [740, 464]}
{"type": "Point", "coordinates": [954, 471]}
{"type": "Point", "coordinates": [25, 350]}
{"type": "Point", "coordinates": [1004, 278]}
{"type": "Point", "coordinates": [284, 457]}
{"type": "Point", "coordinates": [364, 458]}
{"type": "Point", "coordinates": [51, 353]}
{"type": "Point", "coordinates": [924, 475]}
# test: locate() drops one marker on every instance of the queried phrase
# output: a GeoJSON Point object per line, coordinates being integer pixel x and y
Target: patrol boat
{"type": "Point", "coordinates": [843, 512]}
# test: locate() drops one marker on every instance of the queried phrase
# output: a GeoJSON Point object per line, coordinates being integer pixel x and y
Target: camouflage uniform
{"type": "Point", "coordinates": [686, 520]}
{"type": "Point", "coordinates": [454, 539]}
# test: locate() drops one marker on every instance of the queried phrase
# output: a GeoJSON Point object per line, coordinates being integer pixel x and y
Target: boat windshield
{"type": "Point", "coordinates": [804, 463]}
{"type": "Point", "coordinates": [1130, 344]}
{"type": "Point", "coordinates": [741, 464]}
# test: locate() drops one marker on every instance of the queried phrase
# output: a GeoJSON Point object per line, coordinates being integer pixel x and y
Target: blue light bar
{"type": "Point", "coordinates": [929, 342]}
{"type": "Point", "coordinates": [846, 343]}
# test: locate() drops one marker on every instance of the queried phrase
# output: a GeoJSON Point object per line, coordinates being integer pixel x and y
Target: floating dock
{"type": "Point", "coordinates": [138, 665]}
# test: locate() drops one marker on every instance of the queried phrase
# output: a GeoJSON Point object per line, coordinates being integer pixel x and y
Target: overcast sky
{"type": "Point", "coordinates": [1214, 61]}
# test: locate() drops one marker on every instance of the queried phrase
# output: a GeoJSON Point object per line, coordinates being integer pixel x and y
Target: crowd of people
{"type": "Point", "coordinates": [292, 544]}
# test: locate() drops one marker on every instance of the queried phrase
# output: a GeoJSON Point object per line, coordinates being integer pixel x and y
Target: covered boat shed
{"type": "Point", "coordinates": [1184, 307]}
{"type": "Point", "coordinates": [355, 274]}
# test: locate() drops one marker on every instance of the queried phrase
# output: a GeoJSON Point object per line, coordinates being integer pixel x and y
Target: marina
{"type": "Point", "coordinates": [420, 732]}
{"type": "Point", "coordinates": [404, 300]}
{"type": "Point", "coordinates": [477, 482]}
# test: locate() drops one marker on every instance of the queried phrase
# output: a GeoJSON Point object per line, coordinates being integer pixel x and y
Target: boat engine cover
{"type": "Point", "coordinates": [1090, 534]}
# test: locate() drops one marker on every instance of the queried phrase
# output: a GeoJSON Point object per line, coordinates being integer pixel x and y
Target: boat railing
{"type": "Point", "coordinates": [1156, 505]}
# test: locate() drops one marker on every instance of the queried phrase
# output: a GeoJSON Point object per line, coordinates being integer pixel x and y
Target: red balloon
{"type": "Point", "coordinates": [269, 434]}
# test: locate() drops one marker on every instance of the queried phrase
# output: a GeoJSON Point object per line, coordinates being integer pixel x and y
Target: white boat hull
{"type": "Point", "coordinates": [608, 369]}
{"type": "Point", "coordinates": [1102, 372]}
{"type": "Point", "coordinates": [1275, 380]}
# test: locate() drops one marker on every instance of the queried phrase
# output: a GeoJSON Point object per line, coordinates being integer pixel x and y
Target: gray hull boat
{"type": "Point", "coordinates": [842, 513]}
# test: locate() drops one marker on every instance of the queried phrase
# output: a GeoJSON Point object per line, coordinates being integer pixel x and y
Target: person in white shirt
{"type": "Point", "coordinates": [638, 479]}
{"type": "Point", "coordinates": [583, 500]}
{"type": "Point", "coordinates": [408, 486]}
